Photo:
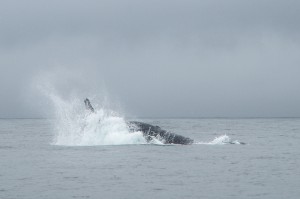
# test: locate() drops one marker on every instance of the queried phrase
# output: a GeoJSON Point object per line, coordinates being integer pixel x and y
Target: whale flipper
{"type": "Point", "coordinates": [88, 105]}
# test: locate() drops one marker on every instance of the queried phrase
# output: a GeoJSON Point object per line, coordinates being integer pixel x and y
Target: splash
{"type": "Point", "coordinates": [76, 126]}
{"type": "Point", "coordinates": [221, 140]}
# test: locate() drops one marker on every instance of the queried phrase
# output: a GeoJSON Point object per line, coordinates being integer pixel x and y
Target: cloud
{"type": "Point", "coordinates": [157, 58]}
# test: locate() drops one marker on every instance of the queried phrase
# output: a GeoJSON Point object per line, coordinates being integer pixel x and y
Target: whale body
{"type": "Point", "coordinates": [150, 132]}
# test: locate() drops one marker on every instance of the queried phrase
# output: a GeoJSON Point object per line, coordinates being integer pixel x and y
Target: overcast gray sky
{"type": "Point", "coordinates": [159, 58]}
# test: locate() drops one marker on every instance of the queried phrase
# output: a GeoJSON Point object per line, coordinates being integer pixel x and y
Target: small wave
{"type": "Point", "coordinates": [6, 147]}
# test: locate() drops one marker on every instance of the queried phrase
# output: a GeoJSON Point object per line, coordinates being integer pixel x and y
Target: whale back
{"type": "Point", "coordinates": [150, 131]}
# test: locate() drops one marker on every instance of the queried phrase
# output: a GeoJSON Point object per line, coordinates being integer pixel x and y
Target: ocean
{"type": "Point", "coordinates": [47, 159]}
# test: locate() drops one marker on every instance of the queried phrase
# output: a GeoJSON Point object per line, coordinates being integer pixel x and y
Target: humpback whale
{"type": "Point", "coordinates": [149, 131]}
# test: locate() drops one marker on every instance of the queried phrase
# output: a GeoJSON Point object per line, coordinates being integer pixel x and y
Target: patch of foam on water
{"type": "Point", "coordinates": [221, 140]}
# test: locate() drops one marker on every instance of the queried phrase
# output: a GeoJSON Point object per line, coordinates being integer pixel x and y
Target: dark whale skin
{"type": "Point", "coordinates": [150, 131]}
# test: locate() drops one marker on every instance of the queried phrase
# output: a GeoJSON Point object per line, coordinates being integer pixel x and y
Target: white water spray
{"type": "Point", "coordinates": [76, 126]}
{"type": "Point", "coordinates": [221, 140]}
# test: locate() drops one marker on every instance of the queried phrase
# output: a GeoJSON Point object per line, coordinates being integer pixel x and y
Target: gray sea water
{"type": "Point", "coordinates": [268, 166]}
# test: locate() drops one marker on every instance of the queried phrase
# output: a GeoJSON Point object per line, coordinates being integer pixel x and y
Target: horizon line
{"type": "Point", "coordinates": [172, 117]}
